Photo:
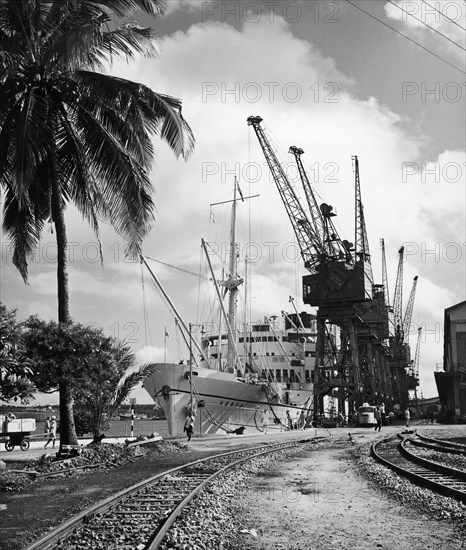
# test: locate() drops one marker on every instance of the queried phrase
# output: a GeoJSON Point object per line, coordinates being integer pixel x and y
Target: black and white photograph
{"type": "Point", "coordinates": [233, 274]}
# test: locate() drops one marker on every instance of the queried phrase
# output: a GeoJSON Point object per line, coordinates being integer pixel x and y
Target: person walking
{"type": "Point", "coordinates": [407, 417]}
{"type": "Point", "coordinates": [265, 421]}
{"type": "Point", "coordinates": [52, 431]}
{"type": "Point", "coordinates": [189, 426]}
{"type": "Point", "coordinates": [47, 425]}
{"type": "Point", "coordinates": [382, 414]}
{"type": "Point", "coordinates": [289, 421]}
{"type": "Point", "coordinates": [378, 419]}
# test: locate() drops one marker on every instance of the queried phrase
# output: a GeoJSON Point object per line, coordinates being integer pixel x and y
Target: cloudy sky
{"type": "Point", "coordinates": [331, 77]}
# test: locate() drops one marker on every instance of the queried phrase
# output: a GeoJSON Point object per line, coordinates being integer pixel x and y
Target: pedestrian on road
{"type": "Point", "coordinates": [265, 421]}
{"type": "Point", "coordinates": [8, 418]}
{"type": "Point", "coordinates": [407, 417]}
{"type": "Point", "coordinates": [189, 426]}
{"type": "Point", "coordinates": [52, 433]}
{"type": "Point", "coordinates": [382, 413]}
{"type": "Point", "coordinates": [378, 419]}
{"type": "Point", "coordinates": [289, 421]}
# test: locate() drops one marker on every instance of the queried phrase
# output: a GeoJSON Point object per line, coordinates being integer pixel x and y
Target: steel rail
{"type": "Point", "coordinates": [429, 464]}
{"type": "Point", "coordinates": [48, 541]}
{"type": "Point", "coordinates": [440, 479]}
{"type": "Point", "coordinates": [178, 510]}
{"type": "Point", "coordinates": [448, 444]}
{"type": "Point", "coordinates": [437, 446]}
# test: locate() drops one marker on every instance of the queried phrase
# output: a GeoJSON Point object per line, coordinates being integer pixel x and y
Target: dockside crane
{"type": "Point", "coordinates": [361, 242]}
{"type": "Point", "coordinates": [340, 285]}
{"type": "Point", "coordinates": [409, 311]}
{"type": "Point", "coordinates": [417, 354]}
{"type": "Point", "coordinates": [413, 382]}
{"type": "Point", "coordinates": [398, 297]}
{"type": "Point", "coordinates": [400, 355]}
{"type": "Point", "coordinates": [314, 209]}
{"type": "Point", "coordinates": [305, 232]}
{"type": "Point", "coordinates": [388, 306]}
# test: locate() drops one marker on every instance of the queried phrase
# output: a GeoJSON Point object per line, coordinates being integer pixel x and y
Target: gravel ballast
{"type": "Point", "coordinates": [324, 496]}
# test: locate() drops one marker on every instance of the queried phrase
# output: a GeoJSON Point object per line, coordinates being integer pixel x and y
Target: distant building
{"type": "Point", "coordinates": [428, 405]}
{"type": "Point", "coordinates": [451, 383]}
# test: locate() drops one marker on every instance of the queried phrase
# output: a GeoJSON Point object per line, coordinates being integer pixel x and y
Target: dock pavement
{"type": "Point", "coordinates": [223, 442]}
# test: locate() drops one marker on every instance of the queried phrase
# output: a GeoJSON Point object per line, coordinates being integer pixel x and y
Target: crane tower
{"type": "Point", "coordinates": [340, 284]}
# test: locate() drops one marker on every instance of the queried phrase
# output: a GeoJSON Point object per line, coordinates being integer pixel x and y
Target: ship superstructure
{"type": "Point", "coordinates": [275, 350]}
{"type": "Point", "coordinates": [236, 375]}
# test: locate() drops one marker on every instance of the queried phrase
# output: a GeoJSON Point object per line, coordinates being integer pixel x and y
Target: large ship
{"type": "Point", "coordinates": [277, 378]}
{"type": "Point", "coordinates": [239, 378]}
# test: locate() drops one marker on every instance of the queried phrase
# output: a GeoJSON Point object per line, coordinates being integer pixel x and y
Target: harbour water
{"type": "Point", "coordinates": [122, 428]}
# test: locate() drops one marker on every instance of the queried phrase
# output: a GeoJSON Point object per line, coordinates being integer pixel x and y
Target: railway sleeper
{"type": "Point", "coordinates": [443, 443]}
{"type": "Point", "coordinates": [437, 447]}
{"type": "Point", "coordinates": [435, 481]}
{"type": "Point", "coordinates": [155, 499]}
{"type": "Point", "coordinates": [114, 523]}
{"type": "Point", "coordinates": [428, 464]}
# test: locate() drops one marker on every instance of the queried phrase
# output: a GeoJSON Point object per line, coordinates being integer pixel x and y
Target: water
{"type": "Point", "coordinates": [122, 428]}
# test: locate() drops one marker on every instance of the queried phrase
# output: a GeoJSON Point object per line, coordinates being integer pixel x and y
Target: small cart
{"type": "Point", "coordinates": [17, 432]}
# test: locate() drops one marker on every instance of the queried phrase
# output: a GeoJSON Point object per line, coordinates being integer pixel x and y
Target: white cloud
{"type": "Point", "coordinates": [188, 5]}
{"type": "Point", "coordinates": [151, 354]}
{"type": "Point", "coordinates": [224, 75]}
{"type": "Point", "coordinates": [445, 18]}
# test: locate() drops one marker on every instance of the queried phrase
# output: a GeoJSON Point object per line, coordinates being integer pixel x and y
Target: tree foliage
{"type": "Point", "coordinates": [72, 134]}
{"type": "Point", "coordinates": [15, 367]}
{"type": "Point", "coordinates": [61, 352]}
{"type": "Point", "coordinates": [95, 366]}
{"type": "Point", "coordinates": [96, 404]}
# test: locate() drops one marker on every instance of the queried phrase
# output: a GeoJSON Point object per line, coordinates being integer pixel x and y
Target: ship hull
{"type": "Point", "coordinates": [223, 402]}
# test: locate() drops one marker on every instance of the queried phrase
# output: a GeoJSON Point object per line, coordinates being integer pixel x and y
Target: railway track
{"type": "Point", "coordinates": [396, 455]}
{"type": "Point", "coordinates": [439, 445]}
{"type": "Point", "coordinates": [139, 517]}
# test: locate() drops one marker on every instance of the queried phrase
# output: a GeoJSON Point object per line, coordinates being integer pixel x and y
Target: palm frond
{"type": "Point", "coordinates": [126, 41]}
{"type": "Point", "coordinates": [129, 383]}
{"type": "Point", "coordinates": [95, 130]}
{"type": "Point", "coordinates": [160, 113]}
{"type": "Point", "coordinates": [21, 226]}
{"type": "Point", "coordinates": [125, 8]}
{"type": "Point", "coordinates": [33, 139]}
{"type": "Point", "coordinates": [114, 103]}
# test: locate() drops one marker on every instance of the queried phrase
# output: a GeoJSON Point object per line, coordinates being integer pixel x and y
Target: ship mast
{"type": "Point", "coordinates": [233, 282]}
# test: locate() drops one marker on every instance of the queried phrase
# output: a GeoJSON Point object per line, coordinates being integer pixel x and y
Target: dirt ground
{"type": "Point", "coordinates": [318, 501]}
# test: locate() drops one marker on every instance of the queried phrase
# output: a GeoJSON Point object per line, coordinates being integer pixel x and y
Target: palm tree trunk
{"type": "Point", "coordinates": [58, 216]}
{"type": "Point", "coordinates": [67, 427]}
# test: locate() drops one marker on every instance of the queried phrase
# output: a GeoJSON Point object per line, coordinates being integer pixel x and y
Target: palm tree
{"type": "Point", "coordinates": [70, 134]}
